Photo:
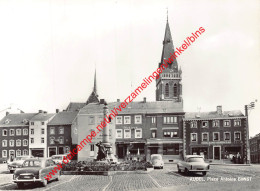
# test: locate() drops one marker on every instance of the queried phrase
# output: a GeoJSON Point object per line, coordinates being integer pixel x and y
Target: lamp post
{"type": "Point", "coordinates": [248, 107]}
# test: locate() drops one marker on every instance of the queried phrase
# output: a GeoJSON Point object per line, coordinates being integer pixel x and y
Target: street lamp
{"type": "Point", "coordinates": [248, 107]}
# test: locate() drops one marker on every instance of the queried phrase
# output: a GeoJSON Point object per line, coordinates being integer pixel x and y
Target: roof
{"type": "Point", "coordinates": [42, 116]}
{"type": "Point", "coordinates": [20, 119]}
{"type": "Point", "coordinates": [63, 118]}
{"type": "Point", "coordinates": [75, 106]}
{"type": "Point", "coordinates": [213, 114]}
{"type": "Point", "coordinates": [136, 107]}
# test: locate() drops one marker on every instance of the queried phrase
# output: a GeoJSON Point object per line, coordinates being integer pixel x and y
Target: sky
{"type": "Point", "coordinates": [49, 51]}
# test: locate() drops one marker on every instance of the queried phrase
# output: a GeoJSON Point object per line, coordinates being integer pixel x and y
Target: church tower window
{"type": "Point", "coordinates": [167, 90]}
{"type": "Point", "coordinates": [175, 90]}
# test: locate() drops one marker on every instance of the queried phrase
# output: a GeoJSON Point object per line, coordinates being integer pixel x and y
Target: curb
{"type": "Point", "coordinates": [230, 164]}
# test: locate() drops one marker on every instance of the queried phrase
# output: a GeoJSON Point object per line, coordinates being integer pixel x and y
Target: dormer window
{"type": "Point", "coordinates": [25, 121]}
{"type": "Point", "coordinates": [7, 121]}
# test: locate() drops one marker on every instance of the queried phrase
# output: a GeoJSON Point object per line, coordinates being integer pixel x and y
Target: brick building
{"type": "Point", "coordinates": [216, 135]}
{"type": "Point", "coordinates": [254, 143]}
{"type": "Point", "coordinates": [59, 139]}
{"type": "Point", "coordinates": [14, 135]}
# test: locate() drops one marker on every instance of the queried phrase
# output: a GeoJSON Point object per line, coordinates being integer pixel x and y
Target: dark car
{"type": "Point", "coordinates": [33, 171]}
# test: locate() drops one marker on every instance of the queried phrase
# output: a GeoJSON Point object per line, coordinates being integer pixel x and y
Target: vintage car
{"type": "Point", "coordinates": [156, 160]}
{"type": "Point", "coordinates": [59, 158]}
{"type": "Point", "coordinates": [16, 163]}
{"type": "Point", "coordinates": [193, 163]}
{"type": "Point", "coordinates": [34, 170]}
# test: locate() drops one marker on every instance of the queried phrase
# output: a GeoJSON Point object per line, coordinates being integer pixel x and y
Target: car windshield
{"type": "Point", "coordinates": [57, 157]}
{"type": "Point", "coordinates": [195, 159]}
{"type": "Point", "coordinates": [32, 163]}
{"type": "Point", "coordinates": [157, 157]}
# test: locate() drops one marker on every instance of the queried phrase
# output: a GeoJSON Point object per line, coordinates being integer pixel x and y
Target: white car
{"type": "Point", "coordinates": [156, 160]}
{"type": "Point", "coordinates": [193, 163]}
{"type": "Point", "coordinates": [16, 163]}
{"type": "Point", "coordinates": [59, 158]}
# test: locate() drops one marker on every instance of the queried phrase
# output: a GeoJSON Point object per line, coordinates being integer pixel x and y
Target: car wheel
{"type": "Point", "coordinates": [162, 167]}
{"type": "Point", "coordinates": [11, 171]}
{"type": "Point", "coordinates": [204, 173]}
{"type": "Point", "coordinates": [20, 185]}
{"type": "Point", "coordinates": [58, 177]}
{"type": "Point", "coordinates": [44, 183]}
{"type": "Point", "coordinates": [187, 172]}
{"type": "Point", "coordinates": [179, 170]}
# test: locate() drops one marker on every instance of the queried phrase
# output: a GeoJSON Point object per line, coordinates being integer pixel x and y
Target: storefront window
{"type": "Point", "coordinates": [170, 149]}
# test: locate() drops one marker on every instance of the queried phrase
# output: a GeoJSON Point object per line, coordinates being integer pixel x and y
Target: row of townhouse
{"type": "Point", "coordinates": [35, 134]}
{"type": "Point", "coordinates": [255, 148]}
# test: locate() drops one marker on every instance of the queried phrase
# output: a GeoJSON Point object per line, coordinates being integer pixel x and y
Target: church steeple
{"type": "Point", "coordinates": [93, 98]}
{"type": "Point", "coordinates": [169, 86]}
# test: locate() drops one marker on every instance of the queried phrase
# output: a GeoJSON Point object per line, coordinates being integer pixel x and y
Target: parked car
{"type": "Point", "coordinates": [156, 160]}
{"type": "Point", "coordinates": [59, 158]}
{"type": "Point", "coordinates": [193, 163]}
{"type": "Point", "coordinates": [16, 163]}
{"type": "Point", "coordinates": [33, 171]}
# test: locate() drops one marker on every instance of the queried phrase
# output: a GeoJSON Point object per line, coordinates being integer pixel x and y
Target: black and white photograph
{"type": "Point", "coordinates": [127, 95]}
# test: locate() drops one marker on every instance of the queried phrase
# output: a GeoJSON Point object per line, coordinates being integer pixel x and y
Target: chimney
{"type": "Point", "coordinates": [102, 101]}
{"type": "Point", "coordinates": [118, 100]}
{"type": "Point", "coordinates": [144, 99]}
{"type": "Point", "coordinates": [45, 112]}
{"type": "Point", "coordinates": [40, 111]}
{"type": "Point", "coordinates": [57, 110]}
{"type": "Point", "coordinates": [7, 113]}
{"type": "Point", "coordinates": [219, 109]}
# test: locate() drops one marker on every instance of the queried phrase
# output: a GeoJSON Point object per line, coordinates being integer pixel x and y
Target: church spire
{"type": "Point", "coordinates": [93, 98]}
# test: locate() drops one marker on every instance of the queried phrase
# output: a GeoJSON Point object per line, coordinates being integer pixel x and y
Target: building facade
{"type": "Point", "coordinates": [216, 135]}
{"type": "Point", "coordinates": [255, 148]}
{"type": "Point", "coordinates": [14, 135]}
{"type": "Point", "coordinates": [38, 134]}
{"type": "Point", "coordinates": [59, 139]}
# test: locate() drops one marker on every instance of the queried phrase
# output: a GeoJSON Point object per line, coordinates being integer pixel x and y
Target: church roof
{"type": "Point", "coordinates": [93, 98]}
{"type": "Point", "coordinates": [137, 107]}
{"type": "Point", "coordinates": [167, 46]}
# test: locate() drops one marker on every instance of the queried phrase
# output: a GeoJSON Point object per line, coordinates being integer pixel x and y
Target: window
{"type": "Point", "coordinates": [32, 131]}
{"type": "Point", "coordinates": [18, 153]}
{"type": "Point", "coordinates": [18, 143]}
{"type": "Point", "coordinates": [237, 136]}
{"type": "Point", "coordinates": [215, 136]}
{"type": "Point", "coordinates": [227, 136]}
{"type": "Point", "coordinates": [119, 133]}
{"type": "Point", "coordinates": [215, 123]}
{"type": "Point", "coordinates": [11, 143]}
{"type": "Point", "coordinates": [127, 133]}
{"type": "Point", "coordinates": [193, 137]}
{"type": "Point", "coordinates": [170, 149]}
{"type": "Point", "coordinates": [4, 132]}
{"type": "Point", "coordinates": [4, 143]}
{"type": "Point", "coordinates": [52, 140]}
{"type": "Point", "coordinates": [4, 153]}
{"type": "Point", "coordinates": [52, 131]}
{"type": "Point", "coordinates": [42, 122]}
{"type": "Point", "coordinates": [25, 142]}
{"type": "Point", "coordinates": [32, 123]}
{"type": "Point", "coordinates": [138, 119]}
{"type": "Point", "coordinates": [61, 140]}
{"type": "Point", "coordinates": [170, 134]}
{"type": "Point", "coordinates": [118, 119]}
{"type": "Point", "coordinates": [205, 136]}
{"type": "Point", "coordinates": [237, 123]}
{"type": "Point", "coordinates": [153, 133]}
{"type": "Point", "coordinates": [193, 124]}
{"type": "Point", "coordinates": [67, 149]}
{"type": "Point", "coordinates": [18, 131]}
{"type": "Point", "coordinates": [11, 132]}
{"type": "Point", "coordinates": [138, 133]}
{"type": "Point", "coordinates": [42, 140]}
{"type": "Point", "coordinates": [167, 90]}
{"type": "Point", "coordinates": [91, 120]}
{"type": "Point", "coordinates": [61, 130]}
{"type": "Point", "coordinates": [32, 140]}
{"type": "Point", "coordinates": [25, 131]}
{"type": "Point", "coordinates": [127, 119]}
{"type": "Point", "coordinates": [153, 119]}
{"type": "Point", "coordinates": [175, 90]}
{"type": "Point", "coordinates": [205, 124]}
{"type": "Point", "coordinates": [92, 148]}
{"type": "Point", "coordinates": [226, 123]}
{"type": "Point", "coordinates": [42, 131]}
{"type": "Point", "coordinates": [25, 152]}
{"type": "Point", "coordinates": [169, 120]}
